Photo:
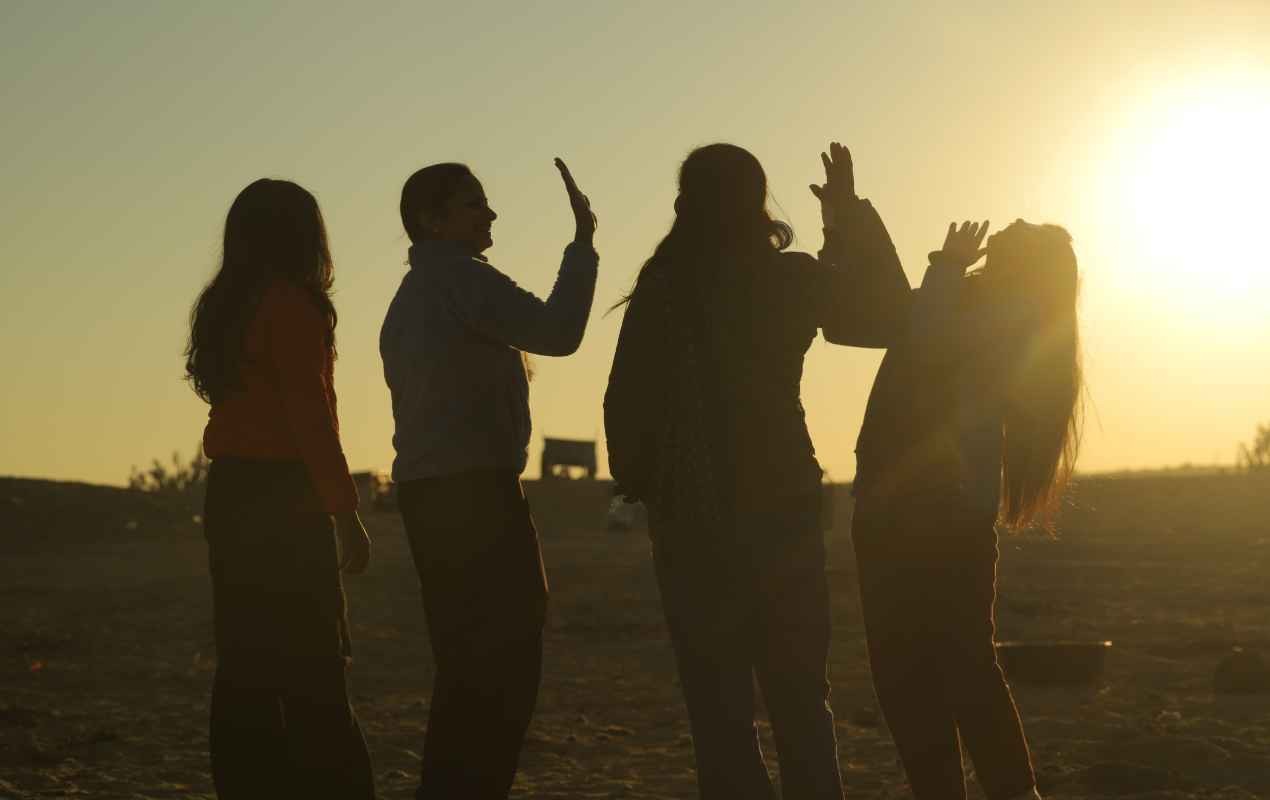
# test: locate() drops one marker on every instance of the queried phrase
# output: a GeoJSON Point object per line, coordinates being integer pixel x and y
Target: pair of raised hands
{"type": "Point", "coordinates": [962, 245]}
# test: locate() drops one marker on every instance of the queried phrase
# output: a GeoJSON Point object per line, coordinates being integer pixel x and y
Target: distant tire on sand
{"type": "Point", "coordinates": [1053, 663]}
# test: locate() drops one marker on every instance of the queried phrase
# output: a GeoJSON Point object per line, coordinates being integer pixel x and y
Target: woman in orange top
{"type": "Point", "coordinates": [261, 352]}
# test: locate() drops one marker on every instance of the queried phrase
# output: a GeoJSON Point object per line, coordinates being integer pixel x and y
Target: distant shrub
{"type": "Point", "coordinates": [183, 478]}
{"type": "Point", "coordinates": [1256, 456]}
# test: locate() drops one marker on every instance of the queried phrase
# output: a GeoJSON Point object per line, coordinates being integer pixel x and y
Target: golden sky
{"type": "Point", "coordinates": [1141, 127]}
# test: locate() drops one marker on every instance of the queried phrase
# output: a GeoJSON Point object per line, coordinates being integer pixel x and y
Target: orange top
{"type": "Point", "coordinates": [285, 407]}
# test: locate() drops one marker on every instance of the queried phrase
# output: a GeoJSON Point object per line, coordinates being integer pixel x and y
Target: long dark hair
{"type": "Point", "coordinates": [720, 213]}
{"type": "Point", "coordinates": [1042, 420]}
{"type": "Point", "coordinates": [274, 231]}
{"type": "Point", "coordinates": [426, 192]}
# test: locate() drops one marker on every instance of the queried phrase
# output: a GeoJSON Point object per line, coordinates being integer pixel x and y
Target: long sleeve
{"type": "Point", "coordinates": [938, 326]}
{"type": "Point", "coordinates": [866, 297]}
{"type": "Point", "coordinates": [296, 335]}
{"type": "Point", "coordinates": [633, 398]}
{"type": "Point", "coordinates": [492, 304]}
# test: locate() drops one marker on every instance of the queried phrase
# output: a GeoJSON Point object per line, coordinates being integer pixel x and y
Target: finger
{"type": "Point", "coordinates": [569, 183]}
{"type": "Point", "coordinates": [952, 233]}
{"type": "Point", "coordinates": [848, 169]}
{"type": "Point", "coordinates": [983, 231]}
{"type": "Point", "coordinates": [828, 164]}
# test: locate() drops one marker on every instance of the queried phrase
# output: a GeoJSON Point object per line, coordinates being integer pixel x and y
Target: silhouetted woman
{"type": "Point", "coordinates": [972, 421]}
{"type": "Point", "coordinates": [452, 345]}
{"type": "Point", "coordinates": [704, 424]}
{"type": "Point", "coordinates": [261, 352]}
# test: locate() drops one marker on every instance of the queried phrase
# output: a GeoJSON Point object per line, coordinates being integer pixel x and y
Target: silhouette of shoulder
{"type": "Point", "coordinates": [797, 260]}
{"type": "Point", "coordinates": [285, 299]}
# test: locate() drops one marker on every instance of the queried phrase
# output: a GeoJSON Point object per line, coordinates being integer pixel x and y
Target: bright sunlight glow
{"type": "Point", "coordinates": [1189, 198]}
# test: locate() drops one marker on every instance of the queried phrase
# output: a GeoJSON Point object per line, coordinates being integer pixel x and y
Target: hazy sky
{"type": "Point", "coordinates": [129, 127]}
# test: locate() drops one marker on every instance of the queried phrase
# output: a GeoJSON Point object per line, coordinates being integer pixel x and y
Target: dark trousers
{"type": "Point", "coordinates": [484, 595]}
{"type": "Point", "coordinates": [752, 602]}
{"type": "Point", "coordinates": [928, 585]}
{"type": "Point", "coordinates": [281, 723]}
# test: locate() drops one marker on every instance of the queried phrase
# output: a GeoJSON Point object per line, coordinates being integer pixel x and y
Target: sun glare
{"type": "Point", "coordinates": [1190, 198]}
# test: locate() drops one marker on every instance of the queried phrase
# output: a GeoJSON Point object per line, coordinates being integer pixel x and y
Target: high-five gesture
{"type": "Point", "coordinates": [962, 245]}
{"type": "Point", "coordinates": [584, 218]}
{"type": "Point", "coordinates": [839, 187]}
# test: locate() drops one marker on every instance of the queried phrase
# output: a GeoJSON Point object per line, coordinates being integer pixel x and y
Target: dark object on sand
{"type": "Point", "coordinates": [1242, 672]}
{"type": "Point", "coordinates": [558, 455]}
{"type": "Point", "coordinates": [1053, 663]}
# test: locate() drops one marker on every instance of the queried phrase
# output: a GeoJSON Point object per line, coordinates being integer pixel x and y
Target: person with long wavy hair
{"type": "Point", "coordinates": [261, 352]}
{"type": "Point", "coordinates": [704, 424]}
{"type": "Point", "coordinates": [453, 345]}
{"type": "Point", "coordinates": [973, 422]}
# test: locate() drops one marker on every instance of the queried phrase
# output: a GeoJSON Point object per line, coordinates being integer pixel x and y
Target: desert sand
{"type": "Point", "coordinates": [106, 655]}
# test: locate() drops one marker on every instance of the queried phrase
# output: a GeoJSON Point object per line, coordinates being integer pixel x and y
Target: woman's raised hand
{"type": "Point", "coordinates": [583, 217]}
{"type": "Point", "coordinates": [962, 245]}
{"type": "Point", "coordinates": [839, 187]}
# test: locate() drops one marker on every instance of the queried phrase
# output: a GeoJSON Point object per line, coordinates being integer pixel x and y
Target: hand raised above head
{"type": "Point", "coordinates": [962, 245]}
{"type": "Point", "coordinates": [584, 218]}
{"type": "Point", "coordinates": [839, 186]}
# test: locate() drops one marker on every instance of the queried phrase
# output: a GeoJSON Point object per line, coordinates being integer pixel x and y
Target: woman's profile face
{"type": "Point", "coordinates": [467, 218]}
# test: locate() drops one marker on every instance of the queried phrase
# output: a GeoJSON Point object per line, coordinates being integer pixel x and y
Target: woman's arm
{"type": "Point", "coordinates": [494, 305]}
{"type": "Point", "coordinates": [297, 340]}
{"type": "Point", "coordinates": [632, 400]}
{"type": "Point", "coordinates": [939, 329]}
{"type": "Point", "coordinates": [863, 295]}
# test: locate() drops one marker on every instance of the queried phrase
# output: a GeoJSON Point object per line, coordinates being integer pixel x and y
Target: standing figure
{"type": "Point", "coordinates": [972, 420]}
{"type": "Point", "coordinates": [705, 425]}
{"type": "Point", "coordinates": [453, 346]}
{"type": "Point", "coordinates": [261, 352]}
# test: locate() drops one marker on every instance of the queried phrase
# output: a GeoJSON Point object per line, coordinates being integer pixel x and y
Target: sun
{"type": "Point", "coordinates": [1189, 191]}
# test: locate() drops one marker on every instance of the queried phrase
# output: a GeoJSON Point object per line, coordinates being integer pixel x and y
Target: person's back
{"type": "Point", "coordinates": [458, 396]}
{"type": "Point", "coordinates": [261, 353]}
{"type": "Point", "coordinates": [760, 323]}
{"type": "Point", "coordinates": [705, 424]}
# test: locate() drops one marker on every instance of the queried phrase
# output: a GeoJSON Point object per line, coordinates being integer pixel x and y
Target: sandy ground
{"type": "Point", "coordinates": [106, 655]}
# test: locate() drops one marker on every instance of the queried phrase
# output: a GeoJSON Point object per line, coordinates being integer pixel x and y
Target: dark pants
{"type": "Point", "coordinates": [281, 724]}
{"type": "Point", "coordinates": [744, 603]}
{"type": "Point", "coordinates": [484, 595]}
{"type": "Point", "coordinates": [928, 586]}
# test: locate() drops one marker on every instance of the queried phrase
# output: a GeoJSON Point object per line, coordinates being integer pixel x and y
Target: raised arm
{"type": "Point", "coordinates": [494, 305]}
{"type": "Point", "coordinates": [865, 296]}
{"type": "Point", "coordinates": [938, 326]}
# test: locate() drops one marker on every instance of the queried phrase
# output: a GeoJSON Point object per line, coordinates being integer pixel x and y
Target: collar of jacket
{"type": "Point", "coordinates": [433, 250]}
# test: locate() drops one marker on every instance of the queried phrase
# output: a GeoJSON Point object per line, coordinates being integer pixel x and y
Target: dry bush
{"type": "Point", "coordinates": [181, 478]}
{"type": "Point", "coordinates": [1256, 456]}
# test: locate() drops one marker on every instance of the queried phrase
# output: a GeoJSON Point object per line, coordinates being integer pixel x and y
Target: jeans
{"type": "Point", "coordinates": [281, 723]}
{"type": "Point", "coordinates": [745, 603]}
{"type": "Point", "coordinates": [484, 595]}
{"type": "Point", "coordinates": [928, 586]}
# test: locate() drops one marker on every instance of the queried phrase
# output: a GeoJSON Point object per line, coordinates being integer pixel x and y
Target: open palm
{"type": "Point", "coordinates": [963, 246]}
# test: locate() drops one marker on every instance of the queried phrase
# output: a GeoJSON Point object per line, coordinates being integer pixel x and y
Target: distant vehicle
{"type": "Point", "coordinates": [376, 487]}
{"type": "Point", "coordinates": [559, 455]}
